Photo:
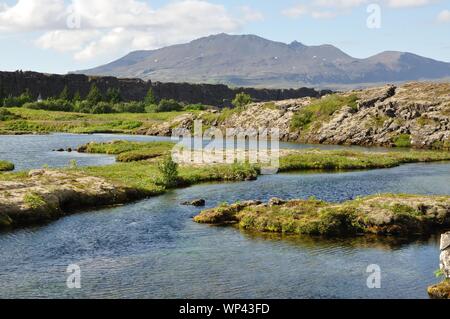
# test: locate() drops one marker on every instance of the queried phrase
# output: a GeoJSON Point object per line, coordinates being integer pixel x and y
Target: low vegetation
{"type": "Point", "coordinates": [347, 160]}
{"type": "Point", "coordinates": [403, 140]}
{"type": "Point", "coordinates": [6, 166]}
{"type": "Point", "coordinates": [441, 290]}
{"type": "Point", "coordinates": [386, 214]}
{"type": "Point", "coordinates": [321, 110]}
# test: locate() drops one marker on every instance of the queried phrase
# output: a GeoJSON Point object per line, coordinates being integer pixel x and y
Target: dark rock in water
{"type": "Point", "coordinates": [60, 150]}
{"type": "Point", "coordinates": [196, 203]}
{"type": "Point", "coordinates": [69, 150]}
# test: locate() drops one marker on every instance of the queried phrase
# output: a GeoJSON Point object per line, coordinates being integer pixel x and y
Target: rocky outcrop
{"type": "Point", "coordinates": [419, 112]}
{"type": "Point", "coordinates": [415, 114]}
{"type": "Point", "coordinates": [51, 85]}
{"type": "Point", "coordinates": [442, 290]}
{"type": "Point", "coordinates": [385, 214]}
{"type": "Point", "coordinates": [49, 194]}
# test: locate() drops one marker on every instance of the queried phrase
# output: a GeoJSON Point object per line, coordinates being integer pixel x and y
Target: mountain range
{"type": "Point", "coordinates": [249, 60]}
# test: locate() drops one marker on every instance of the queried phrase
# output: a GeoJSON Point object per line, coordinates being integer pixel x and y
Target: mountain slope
{"type": "Point", "coordinates": [248, 60]}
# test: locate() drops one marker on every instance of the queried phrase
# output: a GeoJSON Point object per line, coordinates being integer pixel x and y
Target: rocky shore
{"type": "Point", "coordinates": [46, 195]}
{"type": "Point", "coordinates": [442, 290]}
{"type": "Point", "coordinates": [414, 114]}
{"type": "Point", "coordinates": [385, 214]}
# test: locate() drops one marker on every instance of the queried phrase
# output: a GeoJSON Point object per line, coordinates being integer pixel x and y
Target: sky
{"type": "Point", "coordinates": [59, 36]}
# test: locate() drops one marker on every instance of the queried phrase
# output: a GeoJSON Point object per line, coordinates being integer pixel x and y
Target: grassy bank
{"type": "Point", "coordinates": [386, 214]}
{"type": "Point", "coordinates": [348, 160]}
{"type": "Point", "coordinates": [138, 174]}
{"type": "Point", "coordinates": [23, 120]}
{"type": "Point", "coordinates": [6, 166]}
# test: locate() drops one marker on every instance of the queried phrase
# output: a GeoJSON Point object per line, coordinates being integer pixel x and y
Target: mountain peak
{"type": "Point", "coordinates": [250, 60]}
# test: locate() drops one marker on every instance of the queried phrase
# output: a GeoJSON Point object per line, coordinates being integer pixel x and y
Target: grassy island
{"type": "Point", "coordinates": [384, 214]}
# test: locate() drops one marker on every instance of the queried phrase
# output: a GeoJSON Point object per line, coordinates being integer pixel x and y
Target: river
{"type": "Point", "coordinates": [153, 249]}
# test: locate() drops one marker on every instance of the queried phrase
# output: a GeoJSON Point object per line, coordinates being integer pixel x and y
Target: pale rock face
{"type": "Point", "coordinates": [445, 254]}
{"type": "Point", "coordinates": [420, 111]}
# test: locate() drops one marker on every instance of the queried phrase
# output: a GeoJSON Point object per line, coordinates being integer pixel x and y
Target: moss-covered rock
{"type": "Point", "coordinates": [386, 214]}
{"type": "Point", "coordinates": [6, 166]}
{"type": "Point", "coordinates": [440, 291]}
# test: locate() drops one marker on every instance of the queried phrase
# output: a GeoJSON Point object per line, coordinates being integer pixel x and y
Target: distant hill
{"type": "Point", "coordinates": [249, 60]}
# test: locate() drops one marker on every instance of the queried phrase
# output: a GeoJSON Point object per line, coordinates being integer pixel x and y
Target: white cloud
{"type": "Point", "coordinates": [444, 16]}
{"type": "Point", "coordinates": [250, 14]}
{"type": "Point", "coordinates": [295, 11]}
{"type": "Point", "coordinates": [340, 3]}
{"type": "Point", "coordinates": [408, 3]}
{"type": "Point", "coordinates": [111, 27]}
{"type": "Point", "coordinates": [32, 14]}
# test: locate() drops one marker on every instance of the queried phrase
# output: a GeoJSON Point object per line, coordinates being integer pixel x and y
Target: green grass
{"type": "Point", "coordinates": [403, 140]}
{"type": "Point", "coordinates": [34, 201]}
{"type": "Point", "coordinates": [321, 110]}
{"type": "Point", "coordinates": [398, 214]}
{"type": "Point", "coordinates": [6, 166]}
{"type": "Point", "coordinates": [129, 151]}
{"type": "Point", "coordinates": [22, 120]}
{"type": "Point", "coordinates": [347, 160]}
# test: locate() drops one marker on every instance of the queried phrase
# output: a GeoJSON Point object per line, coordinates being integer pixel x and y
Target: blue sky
{"type": "Point", "coordinates": [58, 36]}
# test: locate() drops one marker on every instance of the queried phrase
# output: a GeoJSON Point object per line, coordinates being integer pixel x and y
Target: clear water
{"type": "Point", "coordinates": [153, 249]}
{"type": "Point", "coordinates": [35, 151]}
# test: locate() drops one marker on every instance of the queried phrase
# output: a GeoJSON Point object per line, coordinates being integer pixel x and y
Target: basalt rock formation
{"type": "Point", "coordinates": [416, 113]}
{"type": "Point", "coordinates": [51, 85]}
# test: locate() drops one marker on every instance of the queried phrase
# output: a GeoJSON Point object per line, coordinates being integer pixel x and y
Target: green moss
{"type": "Point", "coordinates": [440, 291]}
{"type": "Point", "coordinates": [403, 140]}
{"type": "Point", "coordinates": [6, 166]}
{"type": "Point", "coordinates": [321, 110]}
{"type": "Point", "coordinates": [312, 217]}
{"type": "Point", "coordinates": [34, 201]}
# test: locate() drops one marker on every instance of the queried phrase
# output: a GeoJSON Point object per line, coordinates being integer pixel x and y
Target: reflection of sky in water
{"type": "Point", "coordinates": [35, 151]}
{"type": "Point", "coordinates": [153, 249]}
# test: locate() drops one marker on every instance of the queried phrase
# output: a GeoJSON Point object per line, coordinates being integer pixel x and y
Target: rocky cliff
{"type": "Point", "coordinates": [414, 114]}
{"type": "Point", "coordinates": [48, 85]}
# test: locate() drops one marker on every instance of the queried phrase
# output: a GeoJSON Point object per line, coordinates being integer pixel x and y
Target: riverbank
{"type": "Point", "coordinates": [383, 214]}
{"type": "Point", "coordinates": [413, 115]}
{"type": "Point", "coordinates": [38, 196]}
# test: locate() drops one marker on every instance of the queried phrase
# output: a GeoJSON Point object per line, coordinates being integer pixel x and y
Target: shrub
{"type": "Point", "coordinates": [129, 107]}
{"type": "Point", "coordinates": [113, 95]}
{"type": "Point", "coordinates": [241, 100]}
{"type": "Point", "coordinates": [403, 140]}
{"type": "Point", "coordinates": [6, 166]}
{"type": "Point", "coordinates": [322, 109]}
{"type": "Point", "coordinates": [19, 101]}
{"type": "Point", "coordinates": [302, 120]}
{"type": "Point", "coordinates": [102, 108]}
{"type": "Point", "coordinates": [169, 172]}
{"type": "Point", "coordinates": [94, 97]}
{"type": "Point", "coordinates": [64, 95]}
{"type": "Point", "coordinates": [6, 115]}
{"type": "Point", "coordinates": [195, 107]}
{"type": "Point", "coordinates": [150, 98]}
{"type": "Point", "coordinates": [51, 105]}
{"type": "Point", "coordinates": [169, 106]}
{"type": "Point", "coordinates": [151, 108]}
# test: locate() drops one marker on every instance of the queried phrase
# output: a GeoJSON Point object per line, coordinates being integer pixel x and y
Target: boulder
{"type": "Point", "coordinates": [195, 202]}
{"type": "Point", "coordinates": [445, 254]}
